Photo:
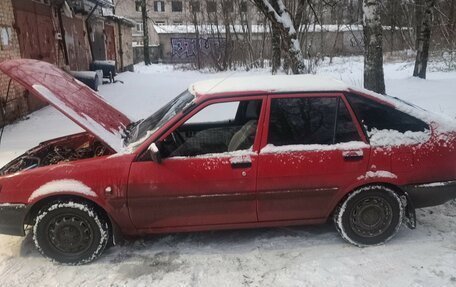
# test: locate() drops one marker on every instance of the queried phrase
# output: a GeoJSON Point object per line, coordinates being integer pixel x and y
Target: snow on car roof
{"type": "Point", "coordinates": [309, 83]}
{"type": "Point", "coordinates": [270, 84]}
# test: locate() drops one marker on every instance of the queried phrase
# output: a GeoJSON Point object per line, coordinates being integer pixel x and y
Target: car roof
{"type": "Point", "coordinates": [267, 84]}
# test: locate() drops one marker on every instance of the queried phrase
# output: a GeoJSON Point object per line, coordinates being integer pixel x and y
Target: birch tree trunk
{"type": "Point", "coordinates": [282, 21]}
{"type": "Point", "coordinates": [276, 50]}
{"type": "Point", "coordinates": [276, 44]}
{"type": "Point", "coordinates": [373, 47]}
{"type": "Point", "coordinates": [423, 40]}
{"type": "Point", "coordinates": [146, 32]}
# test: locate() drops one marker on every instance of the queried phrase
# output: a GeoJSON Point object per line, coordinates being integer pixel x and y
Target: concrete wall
{"type": "Point", "coordinates": [182, 47]}
{"type": "Point", "coordinates": [155, 53]}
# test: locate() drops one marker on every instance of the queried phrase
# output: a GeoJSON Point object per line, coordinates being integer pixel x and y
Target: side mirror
{"type": "Point", "coordinates": [154, 153]}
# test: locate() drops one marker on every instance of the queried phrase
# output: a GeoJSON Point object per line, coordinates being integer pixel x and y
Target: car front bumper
{"type": "Point", "coordinates": [431, 194]}
{"type": "Point", "coordinates": [12, 218]}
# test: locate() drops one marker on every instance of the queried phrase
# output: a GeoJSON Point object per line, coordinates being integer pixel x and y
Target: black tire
{"type": "Point", "coordinates": [371, 215]}
{"type": "Point", "coordinates": [70, 232]}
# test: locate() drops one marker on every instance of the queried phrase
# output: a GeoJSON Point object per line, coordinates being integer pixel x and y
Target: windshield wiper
{"type": "Point", "coordinates": [128, 130]}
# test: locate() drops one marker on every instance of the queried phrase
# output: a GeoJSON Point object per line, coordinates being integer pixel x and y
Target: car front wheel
{"type": "Point", "coordinates": [369, 216]}
{"type": "Point", "coordinates": [70, 232]}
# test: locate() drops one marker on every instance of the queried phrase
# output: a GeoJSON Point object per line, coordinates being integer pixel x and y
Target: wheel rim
{"type": "Point", "coordinates": [70, 234]}
{"type": "Point", "coordinates": [371, 217]}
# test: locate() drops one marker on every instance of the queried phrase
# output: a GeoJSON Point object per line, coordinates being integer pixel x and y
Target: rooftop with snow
{"type": "Point", "coordinates": [268, 83]}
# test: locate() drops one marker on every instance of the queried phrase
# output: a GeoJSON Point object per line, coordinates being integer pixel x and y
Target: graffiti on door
{"type": "Point", "coordinates": [184, 48]}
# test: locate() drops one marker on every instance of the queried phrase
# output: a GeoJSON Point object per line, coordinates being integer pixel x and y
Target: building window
{"type": "Point", "coordinates": [211, 7]}
{"type": "Point", "coordinates": [195, 6]}
{"type": "Point", "coordinates": [139, 28]}
{"type": "Point", "coordinates": [159, 6]}
{"type": "Point", "coordinates": [176, 6]}
{"type": "Point", "coordinates": [138, 6]}
{"type": "Point", "coordinates": [244, 20]}
{"type": "Point", "coordinates": [243, 7]}
{"type": "Point", "coordinates": [5, 37]}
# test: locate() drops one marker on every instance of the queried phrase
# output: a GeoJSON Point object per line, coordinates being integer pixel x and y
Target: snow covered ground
{"type": "Point", "coordinates": [296, 256]}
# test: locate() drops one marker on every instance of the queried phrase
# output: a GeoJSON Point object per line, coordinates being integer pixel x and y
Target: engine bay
{"type": "Point", "coordinates": [65, 149]}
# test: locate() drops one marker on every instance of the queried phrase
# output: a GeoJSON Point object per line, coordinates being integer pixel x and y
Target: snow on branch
{"type": "Point", "coordinates": [280, 17]}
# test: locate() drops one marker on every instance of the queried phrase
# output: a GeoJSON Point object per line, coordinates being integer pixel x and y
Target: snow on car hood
{"type": "Point", "coordinates": [71, 97]}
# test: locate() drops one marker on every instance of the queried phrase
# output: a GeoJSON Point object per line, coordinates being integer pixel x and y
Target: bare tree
{"type": "Point", "coordinates": [194, 9]}
{"type": "Point", "coordinates": [276, 50]}
{"type": "Point", "coordinates": [373, 47]}
{"type": "Point", "coordinates": [281, 20]}
{"type": "Point", "coordinates": [146, 32]}
{"type": "Point", "coordinates": [423, 39]}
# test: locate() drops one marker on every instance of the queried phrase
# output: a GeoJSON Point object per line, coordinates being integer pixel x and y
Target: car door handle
{"type": "Point", "coordinates": [241, 164]}
{"type": "Point", "coordinates": [353, 155]}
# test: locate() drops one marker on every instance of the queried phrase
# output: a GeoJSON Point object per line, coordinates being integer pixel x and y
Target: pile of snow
{"type": "Point", "coordinates": [394, 138]}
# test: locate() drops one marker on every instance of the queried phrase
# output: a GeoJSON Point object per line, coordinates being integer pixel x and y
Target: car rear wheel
{"type": "Point", "coordinates": [70, 232]}
{"type": "Point", "coordinates": [371, 215]}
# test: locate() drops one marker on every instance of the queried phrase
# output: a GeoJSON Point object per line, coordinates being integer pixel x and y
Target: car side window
{"type": "Point", "coordinates": [217, 128]}
{"type": "Point", "coordinates": [302, 121]}
{"type": "Point", "coordinates": [310, 120]}
{"type": "Point", "coordinates": [373, 115]}
{"type": "Point", "coordinates": [346, 130]}
{"type": "Point", "coordinates": [215, 113]}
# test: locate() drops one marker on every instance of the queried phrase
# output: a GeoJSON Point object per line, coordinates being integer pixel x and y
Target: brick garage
{"type": "Point", "coordinates": [14, 104]}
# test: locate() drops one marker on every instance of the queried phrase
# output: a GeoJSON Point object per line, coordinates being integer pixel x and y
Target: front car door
{"type": "Point", "coordinates": [313, 149]}
{"type": "Point", "coordinates": [208, 172]}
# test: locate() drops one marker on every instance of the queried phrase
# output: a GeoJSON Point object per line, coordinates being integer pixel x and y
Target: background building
{"type": "Point", "coordinates": [13, 99]}
{"type": "Point", "coordinates": [221, 32]}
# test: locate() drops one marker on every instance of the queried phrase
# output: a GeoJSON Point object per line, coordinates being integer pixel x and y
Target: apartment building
{"type": "Point", "coordinates": [172, 13]}
{"type": "Point", "coordinates": [177, 12]}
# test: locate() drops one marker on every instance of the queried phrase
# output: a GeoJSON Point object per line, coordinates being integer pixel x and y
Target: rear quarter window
{"type": "Point", "coordinates": [373, 115]}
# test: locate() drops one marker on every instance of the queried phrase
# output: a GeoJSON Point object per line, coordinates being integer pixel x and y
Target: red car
{"type": "Point", "coordinates": [233, 153]}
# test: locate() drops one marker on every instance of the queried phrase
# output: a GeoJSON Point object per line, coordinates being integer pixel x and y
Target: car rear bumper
{"type": "Point", "coordinates": [12, 218]}
{"type": "Point", "coordinates": [431, 194]}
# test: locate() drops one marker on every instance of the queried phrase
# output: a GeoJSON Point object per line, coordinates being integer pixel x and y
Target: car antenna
{"type": "Point", "coordinates": [222, 80]}
{"type": "Point", "coordinates": [3, 110]}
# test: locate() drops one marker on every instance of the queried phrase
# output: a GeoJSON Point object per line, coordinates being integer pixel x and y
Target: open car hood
{"type": "Point", "coordinates": [71, 97]}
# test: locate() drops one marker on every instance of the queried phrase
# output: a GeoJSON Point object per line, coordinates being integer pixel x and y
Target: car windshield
{"type": "Point", "coordinates": [140, 131]}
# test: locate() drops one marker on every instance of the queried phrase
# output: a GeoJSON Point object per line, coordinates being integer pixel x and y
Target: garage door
{"type": "Point", "coordinates": [35, 30]}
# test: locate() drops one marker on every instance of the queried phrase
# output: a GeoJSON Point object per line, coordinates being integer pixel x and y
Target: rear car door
{"type": "Point", "coordinates": [312, 150]}
{"type": "Point", "coordinates": [208, 172]}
